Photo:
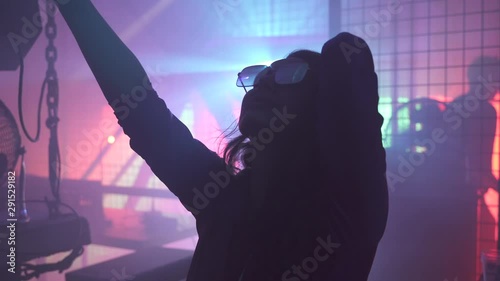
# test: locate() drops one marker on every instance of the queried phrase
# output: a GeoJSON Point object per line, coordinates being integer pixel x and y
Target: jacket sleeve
{"type": "Point", "coordinates": [188, 168]}
{"type": "Point", "coordinates": [349, 135]}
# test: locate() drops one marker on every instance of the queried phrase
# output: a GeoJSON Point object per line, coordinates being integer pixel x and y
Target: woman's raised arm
{"type": "Point", "coordinates": [183, 163]}
{"type": "Point", "coordinates": [114, 66]}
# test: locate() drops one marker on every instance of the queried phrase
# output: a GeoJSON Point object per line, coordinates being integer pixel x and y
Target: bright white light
{"type": "Point", "coordinates": [268, 63]}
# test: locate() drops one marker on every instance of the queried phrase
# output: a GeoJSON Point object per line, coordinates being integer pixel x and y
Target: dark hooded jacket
{"type": "Point", "coordinates": [353, 201]}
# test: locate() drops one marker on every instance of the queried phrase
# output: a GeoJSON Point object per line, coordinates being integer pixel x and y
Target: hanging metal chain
{"type": "Point", "coordinates": [52, 102]}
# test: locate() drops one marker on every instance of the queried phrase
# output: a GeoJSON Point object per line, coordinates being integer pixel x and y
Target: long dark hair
{"type": "Point", "coordinates": [236, 150]}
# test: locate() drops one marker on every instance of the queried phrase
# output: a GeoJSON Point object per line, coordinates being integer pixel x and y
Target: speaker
{"type": "Point", "coordinates": [20, 26]}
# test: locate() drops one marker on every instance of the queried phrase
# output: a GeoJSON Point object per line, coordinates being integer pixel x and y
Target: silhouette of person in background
{"type": "Point", "coordinates": [475, 128]}
{"type": "Point", "coordinates": [477, 124]}
{"type": "Point", "coordinates": [264, 211]}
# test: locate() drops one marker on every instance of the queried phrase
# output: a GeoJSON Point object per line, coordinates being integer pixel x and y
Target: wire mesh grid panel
{"type": "Point", "coordinates": [438, 68]}
{"type": "Point", "coordinates": [278, 18]}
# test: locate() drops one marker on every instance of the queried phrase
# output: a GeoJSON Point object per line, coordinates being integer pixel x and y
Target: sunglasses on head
{"type": "Point", "coordinates": [286, 71]}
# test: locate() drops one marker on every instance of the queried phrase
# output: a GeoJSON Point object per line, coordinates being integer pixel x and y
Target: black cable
{"type": "Point", "coordinates": [57, 176]}
{"type": "Point", "coordinates": [20, 103]}
{"type": "Point", "coordinates": [36, 270]}
{"type": "Point", "coordinates": [58, 173]}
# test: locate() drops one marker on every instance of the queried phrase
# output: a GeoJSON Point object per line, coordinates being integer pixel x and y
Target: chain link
{"type": "Point", "coordinates": [51, 57]}
{"type": "Point", "coordinates": [52, 99]}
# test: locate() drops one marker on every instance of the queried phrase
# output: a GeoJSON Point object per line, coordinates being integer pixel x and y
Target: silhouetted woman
{"type": "Point", "coordinates": [298, 206]}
